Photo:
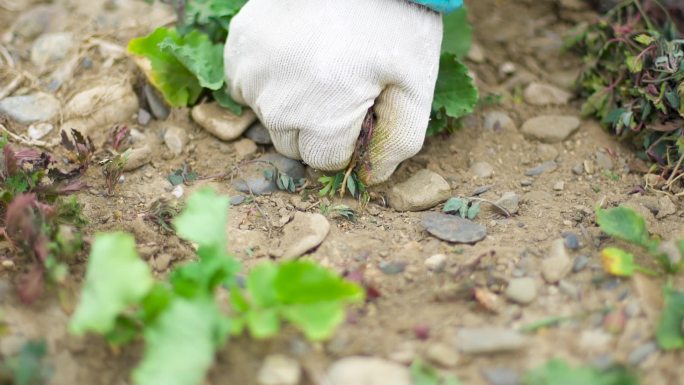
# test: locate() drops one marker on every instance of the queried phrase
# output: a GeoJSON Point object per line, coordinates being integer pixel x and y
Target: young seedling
{"type": "Point", "coordinates": [184, 175]}
{"type": "Point", "coordinates": [183, 320]}
{"type": "Point", "coordinates": [283, 181]}
{"type": "Point", "coordinates": [80, 149]}
{"type": "Point", "coordinates": [112, 169]}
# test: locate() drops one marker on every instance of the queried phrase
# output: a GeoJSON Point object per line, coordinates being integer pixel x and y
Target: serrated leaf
{"type": "Point", "coordinates": [116, 278]}
{"type": "Point", "coordinates": [644, 39]}
{"type": "Point", "coordinates": [454, 91]}
{"type": "Point", "coordinates": [199, 56]}
{"type": "Point", "coordinates": [669, 333]}
{"type": "Point", "coordinates": [176, 83]}
{"type": "Point", "coordinates": [458, 33]}
{"type": "Point", "coordinates": [624, 223]}
{"type": "Point", "coordinates": [204, 219]}
{"type": "Point", "coordinates": [180, 346]}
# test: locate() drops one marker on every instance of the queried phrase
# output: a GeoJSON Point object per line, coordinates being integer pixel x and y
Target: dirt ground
{"type": "Point", "coordinates": [526, 35]}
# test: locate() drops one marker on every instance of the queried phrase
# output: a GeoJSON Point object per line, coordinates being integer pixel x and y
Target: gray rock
{"type": "Point", "coordinates": [501, 376]}
{"type": "Point", "coordinates": [540, 94]}
{"type": "Point", "coordinates": [26, 109]}
{"type": "Point", "coordinates": [422, 191]}
{"type": "Point", "coordinates": [542, 168]}
{"type": "Point", "coordinates": [488, 340]}
{"type": "Point", "coordinates": [144, 117]}
{"type": "Point", "coordinates": [221, 122]}
{"type": "Point", "coordinates": [522, 290]}
{"type": "Point", "coordinates": [252, 180]}
{"type": "Point", "coordinates": [476, 53]}
{"type": "Point", "coordinates": [604, 161]}
{"type": "Point", "coordinates": [305, 232]}
{"type": "Point", "coordinates": [392, 267]}
{"type": "Point", "coordinates": [156, 103]}
{"type": "Point", "coordinates": [482, 170]}
{"type": "Point", "coordinates": [509, 201]}
{"type": "Point", "coordinates": [572, 241]}
{"type": "Point", "coordinates": [550, 128]}
{"type": "Point", "coordinates": [578, 169]}
{"type": "Point", "coordinates": [442, 355]}
{"type": "Point", "coordinates": [558, 264]}
{"type": "Point", "coordinates": [665, 207]}
{"type": "Point", "coordinates": [279, 370]}
{"type": "Point", "coordinates": [496, 120]}
{"type": "Point", "coordinates": [436, 263]}
{"type": "Point", "coordinates": [259, 134]}
{"type": "Point", "coordinates": [38, 20]}
{"type": "Point", "coordinates": [237, 200]}
{"type": "Point", "coordinates": [454, 229]}
{"type": "Point", "coordinates": [367, 371]}
{"type": "Point", "coordinates": [112, 101]}
{"type": "Point", "coordinates": [559, 186]}
{"type": "Point", "coordinates": [138, 157]}
{"type": "Point", "coordinates": [51, 48]}
{"type": "Point", "coordinates": [175, 139]}
{"type": "Point", "coordinates": [38, 131]}
{"type": "Point", "coordinates": [569, 289]}
{"type": "Point", "coordinates": [641, 353]}
{"type": "Point", "coordinates": [580, 263]}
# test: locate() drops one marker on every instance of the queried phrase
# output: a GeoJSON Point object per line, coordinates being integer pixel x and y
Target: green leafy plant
{"type": "Point", "coordinates": [112, 170]}
{"type": "Point", "coordinates": [343, 211]}
{"type": "Point", "coordinates": [422, 374]}
{"type": "Point", "coordinates": [182, 319]}
{"type": "Point", "coordinates": [183, 175]}
{"type": "Point", "coordinates": [557, 372]}
{"type": "Point", "coordinates": [28, 367]}
{"type": "Point", "coordinates": [463, 207]}
{"type": "Point", "coordinates": [669, 333]}
{"type": "Point", "coordinates": [283, 181]}
{"type": "Point", "coordinates": [625, 224]}
{"type": "Point", "coordinates": [633, 81]}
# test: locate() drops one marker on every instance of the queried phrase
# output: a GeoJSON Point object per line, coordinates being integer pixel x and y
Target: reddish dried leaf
{"type": "Point", "coordinates": [31, 284]}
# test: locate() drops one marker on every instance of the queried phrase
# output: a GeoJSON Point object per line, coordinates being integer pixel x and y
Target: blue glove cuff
{"type": "Point", "coordinates": [444, 6]}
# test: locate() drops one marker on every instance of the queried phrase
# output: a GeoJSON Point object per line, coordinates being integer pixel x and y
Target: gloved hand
{"type": "Point", "coordinates": [310, 70]}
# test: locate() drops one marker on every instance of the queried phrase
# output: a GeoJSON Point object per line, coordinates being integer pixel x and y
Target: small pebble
{"type": "Point", "coordinates": [488, 340]}
{"type": "Point", "coordinates": [542, 168]}
{"type": "Point", "coordinates": [509, 201]}
{"type": "Point", "coordinates": [436, 263]}
{"type": "Point", "coordinates": [580, 263]}
{"type": "Point", "coordinates": [501, 376]}
{"type": "Point", "coordinates": [482, 170]}
{"type": "Point", "coordinates": [578, 169]}
{"type": "Point", "coordinates": [522, 290]}
{"type": "Point", "coordinates": [237, 200]}
{"type": "Point", "coordinates": [392, 267]}
{"type": "Point", "coordinates": [640, 354]}
{"type": "Point", "coordinates": [558, 264]}
{"type": "Point", "coordinates": [442, 355]}
{"type": "Point", "coordinates": [559, 186]}
{"type": "Point", "coordinates": [551, 128]}
{"type": "Point", "coordinates": [278, 369]}
{"type": "Point", "coordinates": [144, 117]}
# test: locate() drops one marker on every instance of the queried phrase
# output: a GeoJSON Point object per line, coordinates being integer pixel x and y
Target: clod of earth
{"type": "Point", "coordinates": [305, 232]}
{"type": "Point", "coordinates": [454, 229]}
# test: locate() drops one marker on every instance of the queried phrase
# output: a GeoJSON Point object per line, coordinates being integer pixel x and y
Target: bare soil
{"type": "Point", "coordinates": [527, 34]}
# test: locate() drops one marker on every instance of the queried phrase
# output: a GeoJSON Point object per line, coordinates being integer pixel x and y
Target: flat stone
{"type": "Point", "coordinates": [481, 170]}
{"type": "Point", "coordinates": [476, 53]}
{"type": "Point", "coordinates": [156, 102]}
{"type": "Point", "coordinates": [26, 109]}
{"type": "Point", "coordinates": [51, 47]}
{"type": "Point", "coordinates": [452, 228]}
{"type": "Point", "coordinates": [38, 131]}
{"type": "Point", "coordinates": [665, 207]}
{"type": "Point", "coordinates": [367, 371]}
{"type": "Point", "coordinates": [580, 263]}
{"type": "Point", "coordinates": [641, 353]}
{"type": "Point", "coordinates": [522, 290]}
{"type": "Point", "coordinates": [542, 168]}
{"type": "Point", "coordinates": [279, 370]}
{"type": "Point", "coordinates": [422, 191]}
{"type": "Point", "coordinates": [604, 161]}
{"type": "Point", "coordinates": [559, 186]}
{"type": "Point", "coordinates": [38, 20]}
{"type": "Point", "coordinates": [497, 120]}
{"type": "Point", "coordinates": [546, 152]}
{"type": "Point", "coordinates": [138, 157]}
{"type": "Point", "coordinates": [101, 105]}
{"type": "Point", "coordinates": [305, 232]}
{"type": "Point", "coordinates": [541, 94]}
{"type": "Point", "coordinates": [550, 128]}
{"type": "Point", "coordinates": [259, 134]}
{"type": "Point", "coordinates": [509, 201]}
{"type": "Point", "coordinates": [175, 139]}
{"type": "Point", "coordinates": [558, 264]}
{"type": "Point", "coordinates": [572, 241]}
{"type": "Point", "coordinates": [488, 340]}
{"type": "Point", "coordinates": [251, 179]}
{"type": "Point", "coordinates": [221, 122]}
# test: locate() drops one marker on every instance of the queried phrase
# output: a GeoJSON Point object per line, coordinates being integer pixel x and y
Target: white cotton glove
{"type": "Point", "coordinates": [311, 69]}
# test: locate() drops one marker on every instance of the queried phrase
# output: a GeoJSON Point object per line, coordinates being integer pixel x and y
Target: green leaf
{"type": "Point", "coordinates": [454, 91]}
{"type": "Point", "coordinates": [423, 374]}
{"type": "Point", "coordinates": [260, 284]}
{"type": "Point", "coordinates": [204, 219]}
{"type": "Point", "coordinates": [263, 323]}
{"type": "Point", "coordinates": [644, 39]}
{"type": "Point", "coordinates": [306, 282]}
{"type": "Point", "coordinates": [453, 205]}
{"type": "Point", "coordinates": [473, 211]}
{"type": "Point", "coordinates": [618, 262]}
{"type": "Point", "coordinates": [557, 372]}
{"type": "Point", "coordinates": [635, 64]}
{"type": "Point", "coordinates": [177, 84]}
{"type": "Point", "coordinates": [316, 320]}
{"type": "Point", "coordinates": [223, 98]}
{"type": "Point", "coordinates": [199, 56]}
{"type": "Point", "coordinates": [624, 223]}
{"type": "Point", "coordinates": [179, 347]}
{"type": "Point", "coordinates": [458, 33]}
{"type": "Point", "coordinates": [669, 333]}
{"type": "Point", "coordinates": [116, 278]}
